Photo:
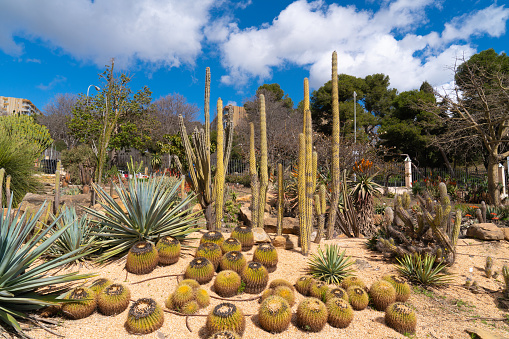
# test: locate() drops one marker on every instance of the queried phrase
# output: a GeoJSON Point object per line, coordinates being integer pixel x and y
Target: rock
{"type": "Point", "coordinates": [245, 216]}
{"type": "Point", "coordinates": [290, 225]}
{"type": "Point", "coordinates": [292, 241]}
{"type": "Point", "coordinates": [483, 334]}
{"type": "Point", "coordinates": [279, 242]}
{"type": "Point", "coordinates": [506, 233]}
{"type": "Point", "coordinates": [260, 236]}
{"type": "Point", "coordinates": [362, 264]}
{"type": "Point", "coordinates": [244, 198]}
{"type": "Point", "coordinates": [196, 208]}
{"type": "Point", "coordinates": [485, 231]}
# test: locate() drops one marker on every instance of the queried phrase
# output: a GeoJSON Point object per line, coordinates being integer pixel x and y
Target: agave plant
{"type": "Point", "coordinates": [77, 236]}
{"type": "Point", "coordinates": [330, 266]}
{"type": "Point", "coordinates": [423, 270]}
{"type": "Point", "coordinates": [147, 211]}
{"type": "Point", "coordinates": [22, 276]}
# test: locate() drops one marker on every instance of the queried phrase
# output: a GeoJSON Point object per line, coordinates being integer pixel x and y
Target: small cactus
{"type": "Point", "coordinates": [337, 292]}
{"type": "Point", "coordinates": [82, 308]}
{"type": "Point", "coordinates": [255, 276]}
{"type": "Point", "coordinates": [352, 281]}
{"type": "Point", "coordinates": [234, 261]}
{"type": "Point", "coordinates": [505, 274]}
{"type": "Point", "coordinates": [100, 284]}
{"type": "Point", "coordinates": [402, 288]}
{"type": "Point", "coordinates": [114, 299]}
{"type": "Point", "coordinates": [226, 316]}
{"type": "Point", "coordinates": [168, 249]}
{"type": "Point", "coordinates": [245, 235]}
{"type": "Point", "coordinates": [382, 294]}
{"type": "Point", "coordinates": [358, 298]}
{"type": "Point", "coordinates": [266, 254]}
{"type": "Point", "coordinates": [340, 312]}
{"type": "Point", "coordinates": [145, 316]}
{"type": "Point", "coordinates": [142, 258]}
{"type": "Point", "coordinates": [401, 318]}
{"type": "Point", "coordinates": [227, 283]}
{"type": "Point", "coordinates": [231, 244]}
{"type": "Point", "coordinates": [212, 236]}
{"type": "Point", "coordinates": [275, 314]}
{"type": "Point", "coordinates": [201, 270]}
{"type": "Point", "coordinates": [488, 268]}
{"type": "Point", "coordinates": [312, 315]}
{"type": "Point", "coordinates": [303, 283]}
{"type": "Point", "coordinates": [318, 289]}
{"type": "Point", "coordinates": [210, 251]}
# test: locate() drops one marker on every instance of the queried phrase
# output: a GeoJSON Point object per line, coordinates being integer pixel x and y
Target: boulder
{"type": "Point", "coordinates": [260, 236]}
{"type": "Point", "coordinates": [506, 233]}
{"type": "Point", "coordinates": [485, 231]}
{"type": "Point", "coordinates": [482, 334]}
{"type": "Point", "coordinates": [292, 241]}
{"type": "Point", "coordinates": [279, 241]}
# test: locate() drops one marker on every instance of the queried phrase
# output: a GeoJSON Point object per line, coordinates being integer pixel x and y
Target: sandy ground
{"type": "Point", "coordinates": [442, 313]}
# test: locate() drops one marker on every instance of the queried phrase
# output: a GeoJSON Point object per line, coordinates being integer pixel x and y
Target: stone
{"type": "Point", "coordinates": [506, 233]}
{"type": "Point", "coordinates": [292, 241]}
{"type": "Point", "coordinates": [260, 236]}
{"type": "Point", "coordinates": [483, 334]}
{"type": "Point", "coordinates": [485, 231]}
{"type": "Point", "coordinates": [279, 242]}
{"type": "Point", "coordinates": [244, 198]}
{"type": "Point", "coordinates": [196, 208]}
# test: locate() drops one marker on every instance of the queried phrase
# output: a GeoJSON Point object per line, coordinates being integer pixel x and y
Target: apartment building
{"type": "Point", "coordinates": [9, 105]}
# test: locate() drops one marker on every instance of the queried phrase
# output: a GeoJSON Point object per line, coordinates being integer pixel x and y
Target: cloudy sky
{"type": "Point", "coordinates": [59, 46]}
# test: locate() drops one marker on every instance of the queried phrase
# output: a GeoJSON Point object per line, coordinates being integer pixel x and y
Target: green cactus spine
{"type": "Point", "coordinates": [321, 209]}
{"type": "Point", "coordinates": [358, 298]}
{"type": "Point", "coordinates": [281, 282]}
{"type": "Point", "coordinates": [266, 254]}
{"type": "Point", "coordinates": [245, 235]}
{"type": "Point", "coordinates": [264, 173]}
{"type": "Point", "coordinates": [340, 312]}
{"type": "Point", "coordinates": [382, 294]}
{"type": "Point", "coordinates": [99, 285]}
{"type": "Point", "coordinates": [352, 281]}
{"type": "Point", "coordinates": [255, 276]}
{"type": "Point", "coordinates": [181, 296]}
{"type": "Point", "coordinates": [337, 292]}
{"type": "Point", "coordinates": [215, 237]}
{"type": "Point", "coordinates": [83, 306]}
{"type": "Point", "coordinates": [274, 314]}
{"type": "Point", "coordinates": [303, 283]}
{"type": "Point", "coordinates": [309, 185]}
{"type": "Point", "coordinates": [190, 307]}
{"type": "Point", "coordinates": [211, 252]}
{"type": "Point", "coordinates": [284, 292]}
{"type": "Point", "coordinates": [142, 258]}
{"type": "Point", "coordinates": [114, 299]}
{"type": "Point", "coordinates": [318, 289]}
{"type": "Point", "coordinates": [201, 270]}
{"type": "Point", "coordinates": [280, 200]}
{"type": "Point", "coordinates": [220, 172]}
{"type": "Point", "coordinates": [202, 297]}
{"type": "Point", "coordinates": [312, 315]}
{"type": "Point", "coordinates": [401, 318]}
{"type": "Point", "coordinates": [226, 316]}
{"type": "Point", "coordinates": [253, 173]}
{"type": "Point", "coordinates": [488, 268]}
{"type": "Point", "coordinates": [168, 249]}
{"type": "Point", "coordinates": [234, 261]}
{"type": "Point", "coordinates": [335, 171]}
{"type": "Point", "coordinates": [301, 184]}
{"type": "Point", "coordinates": [145, 316]}
{"type": "Point", "coordinates": [227, 283]}
{"type": "Point", "coordinates": [231, 244]}
{"type": "Point", "coordinates": [402, 288]}
{"type": "Point", "coordinates": [191, 282]}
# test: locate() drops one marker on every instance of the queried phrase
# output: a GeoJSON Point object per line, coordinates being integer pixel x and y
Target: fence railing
{"type": "Point", "coordinates": [48, 160]}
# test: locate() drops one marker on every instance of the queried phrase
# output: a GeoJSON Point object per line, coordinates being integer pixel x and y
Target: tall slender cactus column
{"type": "Point", "coordinates": [253, 173]}
{"type": "Point", "coordinates": [219, 168]}
{"type": "Point", "coordinates": [264, 175]}
{"type": "Point", "coordinates": [335, 150]}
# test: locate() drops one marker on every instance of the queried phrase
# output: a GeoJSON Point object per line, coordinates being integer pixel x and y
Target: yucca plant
{"type": "Point", "coordinates": [330, 266]}
{"type": "Point", "coordinates": [77, 235]}
{"type": "Point", "coordinates": [423, 270]}
{"type": "Point", "coordinates": [23, 277]}
{"type": "Point", "coordinates": [152, 210]}
{"type": "Point", "coordinates": [363, 190]}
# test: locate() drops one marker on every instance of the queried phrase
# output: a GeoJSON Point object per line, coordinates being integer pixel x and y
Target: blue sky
{"type": "Point", "coordinates": [59, 46]}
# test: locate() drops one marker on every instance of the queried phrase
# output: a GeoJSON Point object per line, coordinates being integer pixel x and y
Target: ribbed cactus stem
{"type": "Point", "coordinates": [483, 211]}
{"type": "Point", "coordinates": [321, 216]}
{"type": "Point", "coordinates": [2, 174]}
{"type": "Point", "coordinates": [255, 184]}
{"type": "Point", "coordinates": [219, 167]}
{"type": "Point", "coordinates": [8, 189]}
{"type": "Point", "coordinates": [456, 230]}
{"type": "Point", "coordinates": [314, 168]}
{"type": "Point", "coordinates": [306, 103]}
{"type": "Point", "coordinates": [57, 188]}
{"type": "Point", "coordinates": [309, 183]}
{"type": "Point", "coordinates": [207, 106]}
{"type": "Point", "coordinates": [335, 149]}
{"type": "Point", "coordinates": [264, 175]}
{"type": "Point", "coordinates": [280, 199]}
{"type": "Point", "coordinates": [505, 274]}
{"type": "Point", "coordinates": [301, 182]}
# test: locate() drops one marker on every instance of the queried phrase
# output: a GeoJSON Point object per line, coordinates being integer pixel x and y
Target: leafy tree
{"type": "Point", "coordinates": [279, 94]}
{"type": "Point", "coordinates": [476, 111]}
{"type": "Point", "coordinates": [25, 129]}
{"type": "Point", "coordinates": [115, 118]}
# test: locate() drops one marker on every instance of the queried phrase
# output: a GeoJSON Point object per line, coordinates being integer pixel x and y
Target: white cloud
{"type": "Point", "coordinates": [305, 34]}
{"type": "Point", "coordinates": [58, 79]}
{"type": "Point", "coordinates": [165, 32]}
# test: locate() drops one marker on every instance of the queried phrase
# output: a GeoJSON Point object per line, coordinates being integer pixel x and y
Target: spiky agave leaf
{"type": "Point", "coordinates": [423, 270]}
{"type": "Point", "coordinates": [330, 266]}
{"type": "Point", "coordinates": [76, 237]}
{"type": "Point", "coordinates": [153, 210]}
{"type": "Point", "coordinates": [20, 247]}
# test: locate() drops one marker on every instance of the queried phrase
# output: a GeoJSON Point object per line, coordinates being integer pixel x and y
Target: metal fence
{"type": "Point", "coordinates": [48, 160]}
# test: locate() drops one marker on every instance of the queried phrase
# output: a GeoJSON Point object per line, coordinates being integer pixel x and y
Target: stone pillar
{"type": "Point", "coordinates": [408, 172]}
{"type": "Point", "coordinates": [501, 180]}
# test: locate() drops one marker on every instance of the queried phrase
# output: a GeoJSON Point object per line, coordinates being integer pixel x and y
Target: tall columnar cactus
{"type": "Point", "coordinates": [198, 158]}
{"type": "Point", "coordinates": [56, 202]}
{"type": "Point", "coordinates": [8, 189]}
{"type": "Point", "coordinates": [220, 172]}
{"type": "Point", "coordinates": [309, 182]}
{"type": "Point", "coordinates": [280, 199]}
{"type": "Point", "coordinates": [505, 274]}
{"type": "Point", "coordinates": [320, 206]}
{"type": "Point", "coordinates": [255, 183]}
{"type": "Point", "coordinates": [2, 174]}
{"type": "Point", "coordinates": [335, 149]}
{"type": "Point", "coordinates": [301, 185]}
{"type": "Point", "coordinates": [264, 174]}
{"type": "Point", "coordinates": [415, 223]}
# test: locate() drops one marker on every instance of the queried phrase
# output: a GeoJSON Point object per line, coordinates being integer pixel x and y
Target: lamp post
{"type": "Point", "coordinates": [354, 117]}
{"type": "Point", "coordinates": [97, 88]}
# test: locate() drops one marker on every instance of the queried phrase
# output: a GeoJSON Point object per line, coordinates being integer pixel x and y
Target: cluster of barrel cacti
{"type": "Point", "coordinates": [335, 304]}
{"type": "Point", "coordinates": [144, 256]}
{"type": "Point", "coordinates": [425, 228]}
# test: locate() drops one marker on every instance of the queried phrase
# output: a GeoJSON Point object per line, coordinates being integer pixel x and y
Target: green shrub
{"type": "Point", "coordinates": [71, 160]}
{"type": "Point", "coordinates": [243, 179]}
{"type": "Point", "coordinates": [17, 158]}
